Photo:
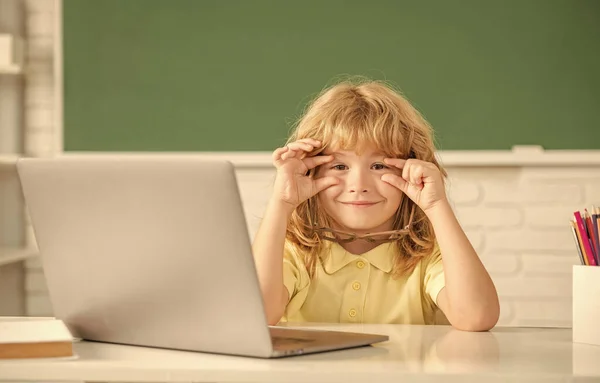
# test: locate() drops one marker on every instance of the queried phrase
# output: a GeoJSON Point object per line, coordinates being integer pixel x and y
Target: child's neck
{"type": "Point", "coordinates": [360, 246]}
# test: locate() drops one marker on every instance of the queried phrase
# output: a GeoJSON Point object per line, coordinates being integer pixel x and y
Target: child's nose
{"type": "Point", "coordinates": [358, 182]}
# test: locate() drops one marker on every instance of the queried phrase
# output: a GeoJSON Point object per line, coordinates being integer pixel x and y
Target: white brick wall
{"type": "Point", "coordinates": [516, 216]}
{"type": "Point", "coordinates": [520, 215]}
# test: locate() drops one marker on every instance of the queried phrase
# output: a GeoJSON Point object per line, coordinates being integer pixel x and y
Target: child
{"type": "Point", "coordinates": [359, 229]}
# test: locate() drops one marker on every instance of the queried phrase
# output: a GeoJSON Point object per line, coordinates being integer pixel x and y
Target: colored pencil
{"type": "Point", "coordinates": [590, 232]}
{"type": "Point", "coordinates": [577, 242]}
{"type": "Point", "coordinates": [596, 229]}
{"type": "Point", "coordinates": [585, 240]}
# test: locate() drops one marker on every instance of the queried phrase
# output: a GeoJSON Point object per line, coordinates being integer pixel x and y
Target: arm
{"type": "Point", "coordinates": [292, 186]}
{"type": "Point", "coordinates": [469, 300]}
{"type": "Point", "coordinates": [268, 256]}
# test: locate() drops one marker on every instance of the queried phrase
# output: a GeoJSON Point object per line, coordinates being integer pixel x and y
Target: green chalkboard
{"type": "Point", "coordinates": [233, 75]}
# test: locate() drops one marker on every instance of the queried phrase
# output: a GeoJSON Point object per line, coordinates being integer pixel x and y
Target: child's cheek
{"type": "Point", "coordinates": [331, 193]}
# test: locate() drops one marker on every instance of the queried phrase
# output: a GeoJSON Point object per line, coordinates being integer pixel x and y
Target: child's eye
{"type": "Point", "coordinates": [379, 166]}
{"type": "Point", "coordinates": [339, 167]}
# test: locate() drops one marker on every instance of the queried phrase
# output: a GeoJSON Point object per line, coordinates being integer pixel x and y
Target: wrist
{"type": "Point", "coordinates": [438, 209]}
{"type": "Point", "coordinates": [281, 207]}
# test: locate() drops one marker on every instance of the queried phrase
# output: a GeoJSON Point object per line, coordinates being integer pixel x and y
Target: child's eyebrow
{"type": "Point", "coordinates": [377, 156]}
{"type": "Point", "coordinates": [343, 155]}
{"type": "Point", "coordinates": [334, 154]}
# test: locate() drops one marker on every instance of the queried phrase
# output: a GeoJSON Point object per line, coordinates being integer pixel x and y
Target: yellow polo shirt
{"type": "Point", "coordinates": [360, 288]}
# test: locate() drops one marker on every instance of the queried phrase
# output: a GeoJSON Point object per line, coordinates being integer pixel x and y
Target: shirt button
{"type": "Point", "coordinates": [352, 313]}
{"type": "Point", "coordinates": [360, 264]}
{"type": "Point", "coordinates": [356, 286]}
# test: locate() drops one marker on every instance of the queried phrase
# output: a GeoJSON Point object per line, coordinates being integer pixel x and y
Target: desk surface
{"type": "Point", "coordinates": [421, 353]}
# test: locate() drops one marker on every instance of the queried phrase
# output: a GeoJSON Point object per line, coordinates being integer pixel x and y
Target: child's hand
{"type": "Point", "coordinates": [292, 185]}
{"type": "Point", "coordinates": [421, 181]}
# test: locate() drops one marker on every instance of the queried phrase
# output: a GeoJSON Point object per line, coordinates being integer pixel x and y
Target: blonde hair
{"type": "Point", "coordinates": [352, 115]}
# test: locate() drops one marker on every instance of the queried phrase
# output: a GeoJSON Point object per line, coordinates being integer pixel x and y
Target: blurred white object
{"type": "Point", "coordinates": [11, 54]}
{"type": "Point", "coordinates": [586, 309]}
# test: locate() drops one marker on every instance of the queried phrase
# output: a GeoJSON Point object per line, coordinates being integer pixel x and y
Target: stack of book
{"type": "Point", "coordinates": [586, 235]}
{"type": "Point", "coordinates": [25, 338]}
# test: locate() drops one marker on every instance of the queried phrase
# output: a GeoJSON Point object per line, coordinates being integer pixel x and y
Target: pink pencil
{"type": "Point", "coordinates": [586, 240]}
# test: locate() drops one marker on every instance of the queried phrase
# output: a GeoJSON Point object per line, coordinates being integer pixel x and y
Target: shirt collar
{"type": "Point", "coordinates": [335, 257]}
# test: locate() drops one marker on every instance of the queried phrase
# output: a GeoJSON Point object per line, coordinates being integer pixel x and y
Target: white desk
{"type": "Point", "coordinates": [413, 354]}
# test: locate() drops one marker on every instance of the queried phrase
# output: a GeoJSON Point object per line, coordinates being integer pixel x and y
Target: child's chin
{"type": "Point", "coordinates": [359, 227]}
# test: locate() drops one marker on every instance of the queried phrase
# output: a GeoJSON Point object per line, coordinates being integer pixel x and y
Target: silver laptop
{"type": "Point", "coordinates": [154, 251]}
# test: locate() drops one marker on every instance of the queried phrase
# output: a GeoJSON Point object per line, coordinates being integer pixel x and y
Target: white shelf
{"type": "Point", "coordinates": [12, 69]}
{"type": "Point", "coordinates": [8, 159]}
{"type": "Point", "coordinates": [518, 156]}
{"type": "Point", "coordinates": [10, 255]}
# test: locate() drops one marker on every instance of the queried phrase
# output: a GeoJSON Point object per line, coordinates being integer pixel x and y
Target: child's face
{"type": "Point", "coordinates": [361, 202]}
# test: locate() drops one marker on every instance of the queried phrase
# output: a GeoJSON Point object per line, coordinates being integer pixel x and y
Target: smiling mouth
{"type": "Point", "coordinates": [360, 203]}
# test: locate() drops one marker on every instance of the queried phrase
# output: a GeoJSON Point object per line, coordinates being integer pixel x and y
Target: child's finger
{"type": "Point", "coordinates": [313, 162]}
{"type": "Point", "coordinates": [396, 181]}
{"type": "Point", "coordinates": [297, 145]}
{"type": "Point", "coordinates": [413, 173]}
{"type": "Point", "coordinates": [293, 153]}
{"type": "Point", "coordinates": [276, 156]}
{"type": "Point", "coordinates": [323, 183]}
{"type": "Point", "coordinates": [286, 155]}
{"type": "Point", "coordinates": [408, 172]}
{"type": "Point", "coordinates": [397, 162]}
{"type": "Point", "coordinates": [311, 141]}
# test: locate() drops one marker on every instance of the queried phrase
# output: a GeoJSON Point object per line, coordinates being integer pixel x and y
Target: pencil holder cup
{"type": "Point", "coordinates": [586, 305]}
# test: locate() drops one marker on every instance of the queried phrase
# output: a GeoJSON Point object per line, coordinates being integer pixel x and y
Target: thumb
{"type": "Point", "coordinates": [323, 183]}
{"type": "Point", "coordinates": [396, 181]}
